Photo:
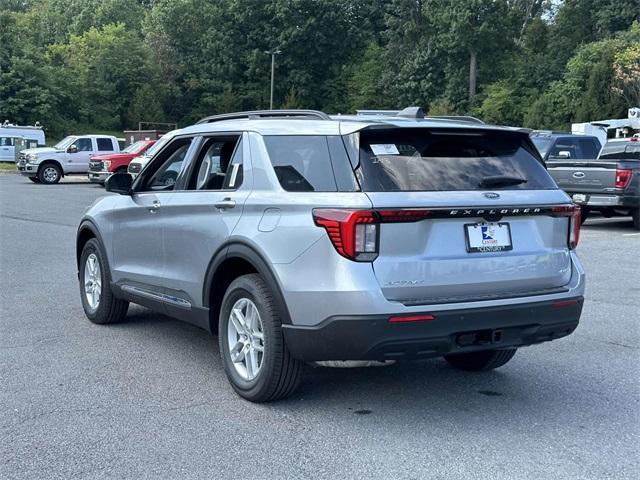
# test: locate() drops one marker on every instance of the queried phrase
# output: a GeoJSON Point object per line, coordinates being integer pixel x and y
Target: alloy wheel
{"type": "Point", "coordinates": [245, 339]}
{"type": "Point", "coordinates": [92, 281]}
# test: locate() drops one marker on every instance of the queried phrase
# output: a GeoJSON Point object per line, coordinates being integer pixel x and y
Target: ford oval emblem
{"type": "Point", "coordinates": [491, 195]}
{"type": "Point", "coordinates": [578, 175]}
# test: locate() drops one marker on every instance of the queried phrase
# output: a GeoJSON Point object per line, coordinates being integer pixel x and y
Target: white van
{"type": "Point", "coordinates": [14, 138]}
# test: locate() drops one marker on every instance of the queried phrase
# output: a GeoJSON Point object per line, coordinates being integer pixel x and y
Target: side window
{"type": "Point", "coordinates": [105, 145]}
{"type": "Point", "coordinates": [164, 172]}
{"type": "Point", "coordinates": [84, 145]}
{"type": "Point", "coordinates": [301, 163]}
{"type": "Point", "coordinates": [218, 165]}
{"type": "Point", "coordinates": [6, 142]}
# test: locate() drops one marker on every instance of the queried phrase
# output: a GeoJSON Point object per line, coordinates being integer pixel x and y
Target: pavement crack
{"type": "Point", "coordinates": [49, 222]}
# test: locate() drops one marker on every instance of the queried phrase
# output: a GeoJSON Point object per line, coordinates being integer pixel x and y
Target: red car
{"type": "Point", "coordinates": [102, 166]}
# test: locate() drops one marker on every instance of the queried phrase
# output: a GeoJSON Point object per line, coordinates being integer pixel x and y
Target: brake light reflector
{"type": "Point", "coordinates": [623, 176]}
{"type": "Point", "coordinates": [574, 214]}
{"type": "Point", "coordinates": [411, 318]}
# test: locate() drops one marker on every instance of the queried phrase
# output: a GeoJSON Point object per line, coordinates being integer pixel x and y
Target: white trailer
{"type": "Point", "coordinates": [14, 138]}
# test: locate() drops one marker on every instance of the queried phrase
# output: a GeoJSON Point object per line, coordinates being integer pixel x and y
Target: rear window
{"type": "Point", "coordinates": [301, 163]}
{"type": "Point", "coordinates": [446, 160]}
{"type": "Point", "coordinates": [620, 151]}
{"type": "Point", "coordinates": [104, 144]}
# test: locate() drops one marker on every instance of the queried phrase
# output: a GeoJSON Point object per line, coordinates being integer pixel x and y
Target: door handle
{"type": "Point", "coordinates": [155, 206]}
{"type": "Point", "coordinates": [224, 204]}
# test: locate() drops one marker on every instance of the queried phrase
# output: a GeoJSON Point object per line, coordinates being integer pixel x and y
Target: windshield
{"type": "Point", "coordinates": [155, 147]}
{"type": "Point", "coordinates": [65, 142]}
{"type": "Point", "coordinates": [445, 160]}
{"type": "Point", "coordinates": [620, 151]}
{"type": "Point", "coordinates": [134, 147]}
{"type": "Point", "coordinates": [542, 144]}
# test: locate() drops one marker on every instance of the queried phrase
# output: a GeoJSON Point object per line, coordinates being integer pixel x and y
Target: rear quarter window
{"type": "Point", "coordinates": [302, 163]}
{"type": "Point", "coordinates": [105, 145]}
{"type": "Point", "coordinates": [441, 160]}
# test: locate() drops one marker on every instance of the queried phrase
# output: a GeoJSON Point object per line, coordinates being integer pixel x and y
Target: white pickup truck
{"type": "Point", "coordinates": [70, 156]}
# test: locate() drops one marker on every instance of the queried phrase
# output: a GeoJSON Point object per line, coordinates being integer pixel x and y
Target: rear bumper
{"type": "Point", "coordinates": [596, 201]}
{"type": "Point", "coordinates": [373, 337]}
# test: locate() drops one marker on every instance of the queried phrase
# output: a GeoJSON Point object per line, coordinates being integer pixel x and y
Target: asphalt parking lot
{"type": "Point", "coordinates": [148, 398]}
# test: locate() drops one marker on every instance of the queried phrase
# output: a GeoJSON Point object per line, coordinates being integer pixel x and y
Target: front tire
{"type": "Point", "coordinates": [255, 357]}
{"type": "Point", "coordinates": [49, 174]}
{"type": "Point", "coordinates": [480, 361]}
{"type": "Point", "coordinates": [99, 304]}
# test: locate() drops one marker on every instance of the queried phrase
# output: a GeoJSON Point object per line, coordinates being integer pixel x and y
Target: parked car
{"type": "Point", "coordinates": [14, 138]}
{"type": "Point", "coordinates": [609, 185]}
{"type": "Point", "coordinates": [561, 146]}
{"type": "Point", "coordinates": [102, 166]}
{"type": "Point", "coordinates": [70, 156]}
{"type": "Point", "coordinates": [137, 164]}
{"type": "Point", "coordinates": [296, 237]}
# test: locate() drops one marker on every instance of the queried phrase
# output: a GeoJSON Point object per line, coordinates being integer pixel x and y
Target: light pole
{"type": "Point", "coordinates": [273, 54]}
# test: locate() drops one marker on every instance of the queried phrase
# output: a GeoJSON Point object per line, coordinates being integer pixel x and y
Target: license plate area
{"type": "Point", "coordinates": [488, 237]}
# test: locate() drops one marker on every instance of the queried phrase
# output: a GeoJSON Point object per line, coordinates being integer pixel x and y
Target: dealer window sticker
{"type": "Point", "coordinates": [385, 149]}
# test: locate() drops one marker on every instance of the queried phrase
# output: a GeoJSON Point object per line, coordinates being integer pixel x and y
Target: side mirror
{"type": "Point", "coordinates": [72, 149]}
{"type": "Point", "coordinates": [119, 183]}
{"type": "Point", "coordinates": [564, 154]}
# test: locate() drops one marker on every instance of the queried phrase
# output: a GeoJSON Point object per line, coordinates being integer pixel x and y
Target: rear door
{"type": "Point", "coordinates": [467, 214]}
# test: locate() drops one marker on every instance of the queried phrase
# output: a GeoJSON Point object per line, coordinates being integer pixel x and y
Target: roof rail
{"type": "Point", "coordinates": [266, 114]}
{"type": "Point", "coordinates": [459, 118]}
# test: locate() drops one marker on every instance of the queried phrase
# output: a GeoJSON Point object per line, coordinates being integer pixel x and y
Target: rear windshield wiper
{"type": "Point", "coordinates": [501, 181]}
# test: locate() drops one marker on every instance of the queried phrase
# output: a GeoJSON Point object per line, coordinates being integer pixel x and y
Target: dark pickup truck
{"type": "Point", "coordinates": [609, 184]}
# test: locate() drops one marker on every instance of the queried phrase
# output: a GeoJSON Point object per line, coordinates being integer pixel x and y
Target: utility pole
{"type": "Point", "coordinates": [273, 54]}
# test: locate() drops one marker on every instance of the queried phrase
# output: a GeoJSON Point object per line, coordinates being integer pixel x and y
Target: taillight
{"type": "Point", "coordinates": [622, 177]}
{"type": "Point", "coordinates": [574, 214]}
{"type": "Point", "coordinates": [355, 234]}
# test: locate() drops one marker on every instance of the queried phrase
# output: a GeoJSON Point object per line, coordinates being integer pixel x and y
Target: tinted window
{"type": "Point", "coordinates": [104, 144]}
{"type": "Point", "coordinates": [84, 145]}
{"type": "Point", "coordinates": [163, 172]}
{"type": "Point", "coordinates": [542, 144]}
{"type": "Point", "coordinates": [301, 163]}
{"type": "Point", "coordinates": [422, 160]}
{"type": "Point", "coordinates": [589, 147]}
{"type": "Point", "coordinates": [6, 141]}
{"type": "Point", "coordinates": [568, 146]}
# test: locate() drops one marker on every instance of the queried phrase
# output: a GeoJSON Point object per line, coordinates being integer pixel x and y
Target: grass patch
{"type": "Point", "coordinates": [7, 167]}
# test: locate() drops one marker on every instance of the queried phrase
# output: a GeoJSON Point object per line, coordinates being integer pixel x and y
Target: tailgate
{"type": "Point", "coordinates": [584, 177]}
{"type": "Point", "coordinates": [430, 260]}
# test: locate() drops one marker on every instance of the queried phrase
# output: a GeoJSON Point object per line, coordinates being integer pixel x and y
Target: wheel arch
{"type": "Point", "coordinates": [86, 231]}
{"type": "Point", "coordinates": [50, 161]}
{"type": "Point", "coordinates": [230, 262]}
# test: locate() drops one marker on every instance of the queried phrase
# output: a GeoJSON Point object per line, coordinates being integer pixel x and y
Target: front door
{"type": "Point", "coordinates": [78, 161]}
{"type": "Point", "coordinates": [138, 256]}
{"type": "Point", "coordinates": [7, 149]}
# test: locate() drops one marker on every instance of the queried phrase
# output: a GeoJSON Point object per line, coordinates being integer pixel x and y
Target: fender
{"type": "Point", "coordinates": [51, 160]}
{"type": "Point", "coordinates": [86, 224]}
{"type": "Point", "coordinates": [240, 249]}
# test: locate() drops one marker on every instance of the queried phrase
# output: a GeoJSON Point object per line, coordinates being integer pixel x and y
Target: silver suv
{"type": "Point", "coordinates": [299, 237]}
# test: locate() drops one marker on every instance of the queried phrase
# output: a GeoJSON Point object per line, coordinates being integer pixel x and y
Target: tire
{"type": "Point", "coordinates": [635, 215]}
{"type": "Point", "coordinates": [107, 309]}
{"type": "Point", "coordinates": [480, 361]}
{"type": "Point", "coordinates": [34, 179]}
{"type": "Point", "coordinates": [278, 373]}
{"type": "Point", "coordinates": [49, 174]}
{"type": "Point", "coordinates": [584, 214]}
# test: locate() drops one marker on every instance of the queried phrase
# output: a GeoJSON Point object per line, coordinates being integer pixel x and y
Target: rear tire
{"type": "Point", "coordinates": [34, 179]}
{"type": "Point", "coordinates": [49, 174]}
{"type": "Point", "coordinates": [584, 214]}
{"type": "Point", "coordinates": [100, 306]}
{"type": "Point", "coordinates": [480, 361]}
{"type": "Point", "coordinates": [635, 214]}
{"type": "Point", "coordinates": [273, 373]}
